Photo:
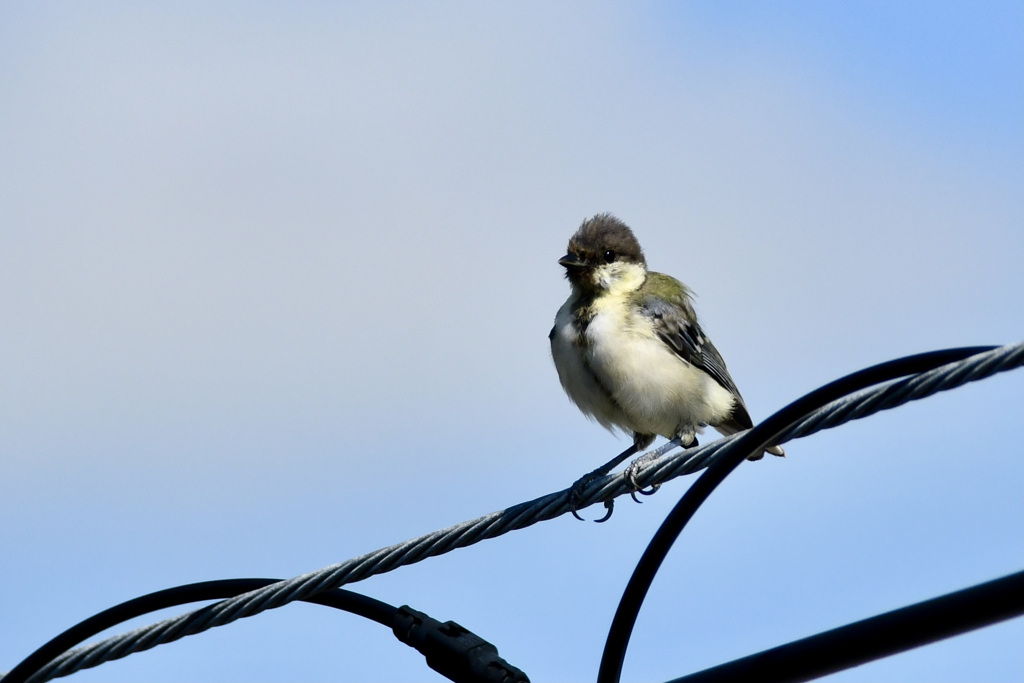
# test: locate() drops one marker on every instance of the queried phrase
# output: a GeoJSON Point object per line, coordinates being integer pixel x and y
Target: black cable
{"type": "Point", "coordinates": [362, 605]}
{"type": "Point", "coordinates": [754, 441]}
{"type": "Point", "coordinates": [454, 644]}
{"type": "Point", "coordinates": [880, 636]}
{"type": "Point", "coordinates": [451, 650]}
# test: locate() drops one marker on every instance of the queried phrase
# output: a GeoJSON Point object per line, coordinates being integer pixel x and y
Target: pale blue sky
{"type": "Point", "coordinates": [276, 282]}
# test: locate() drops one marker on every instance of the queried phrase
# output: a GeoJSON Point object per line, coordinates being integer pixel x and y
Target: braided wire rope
{"type": "Point", "coordinates": [847, 409]}
{"type": "Point", "coordinates": [853, 407]}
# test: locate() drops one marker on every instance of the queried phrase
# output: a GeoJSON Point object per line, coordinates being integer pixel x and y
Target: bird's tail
{"type": "Point", "coordinates": [733, 425]}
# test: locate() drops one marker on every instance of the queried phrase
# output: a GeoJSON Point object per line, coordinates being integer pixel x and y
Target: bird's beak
{"type": "Point", "coordinates": [571, 261]}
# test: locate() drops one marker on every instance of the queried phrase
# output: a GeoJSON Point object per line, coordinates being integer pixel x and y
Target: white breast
{"type": "Point", "coordinates": [655, 390]}
{"type": "Point", "coordinates": [579, 382]}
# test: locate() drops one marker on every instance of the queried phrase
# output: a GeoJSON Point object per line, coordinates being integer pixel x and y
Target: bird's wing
{"type": "Point", "coordinates": [666, 301]}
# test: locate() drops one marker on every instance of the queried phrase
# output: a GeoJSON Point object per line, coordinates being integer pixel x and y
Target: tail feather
{"type": "Point", "coordinates": [740, 421]}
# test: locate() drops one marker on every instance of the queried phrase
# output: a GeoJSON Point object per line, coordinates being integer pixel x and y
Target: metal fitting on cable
{"type": "Point", "coordinates": [453, 651]}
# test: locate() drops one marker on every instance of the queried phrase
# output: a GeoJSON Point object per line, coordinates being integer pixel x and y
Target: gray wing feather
{"type": "Point", "coordinates": [676, 325]}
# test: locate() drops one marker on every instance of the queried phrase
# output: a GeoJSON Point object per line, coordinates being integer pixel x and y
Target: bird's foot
{"type": "Point", "coordinates": [576, 490]}
{"type": "Point", "coordinates": [576, 495]}
{"type": "Point", "coordinates": [633, 469]}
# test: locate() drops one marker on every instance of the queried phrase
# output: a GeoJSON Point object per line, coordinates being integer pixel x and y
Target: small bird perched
{"type": "Point", "coordinates": [629, 351]}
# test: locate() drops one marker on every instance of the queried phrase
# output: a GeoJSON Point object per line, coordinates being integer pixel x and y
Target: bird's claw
{"type": "Point", "coordinates": [576, 496]}
{"type": "Point", "coordinates": [609, 505]}
{"type": "Point", "coordinates": [631, 473]}
{"type": "Point", "coordinates": [644, 492]}
{"type": "Point", "coordinates": [633, 469]}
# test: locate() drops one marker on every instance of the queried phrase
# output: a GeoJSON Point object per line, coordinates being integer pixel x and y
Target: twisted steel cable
{"type": "Point", "coordinates": [856, 406]}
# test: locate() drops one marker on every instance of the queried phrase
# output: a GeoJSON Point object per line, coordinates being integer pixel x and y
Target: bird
{"type": "Point", "coordinates": [630, 352]}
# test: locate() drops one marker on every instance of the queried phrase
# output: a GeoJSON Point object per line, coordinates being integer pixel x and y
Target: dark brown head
{"type": "Point", "coordinates": [602, 253]}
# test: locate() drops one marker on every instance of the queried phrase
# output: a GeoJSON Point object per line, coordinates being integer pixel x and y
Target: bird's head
{"type": "Point", "coordinates": [604, 255]}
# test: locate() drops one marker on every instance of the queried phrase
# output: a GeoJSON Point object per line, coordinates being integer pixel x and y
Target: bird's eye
{"type": "Point", "coordinates": [609, 256]}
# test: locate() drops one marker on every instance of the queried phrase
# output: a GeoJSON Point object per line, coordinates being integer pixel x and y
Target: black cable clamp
{"type": "Point", "coordinates": [454, 652]}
